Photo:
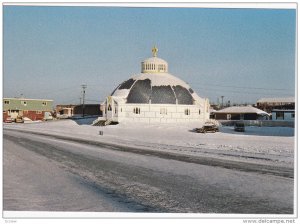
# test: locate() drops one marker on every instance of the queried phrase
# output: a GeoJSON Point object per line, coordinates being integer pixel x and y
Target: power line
{"type": "Point", "coordinates": [243, 87]}
{"type": "Point", "coordinates": [88, 100]}
{"type": "Point", "coordinates": [235, 91]}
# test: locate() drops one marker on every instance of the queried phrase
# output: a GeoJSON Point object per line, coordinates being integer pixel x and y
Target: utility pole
{"type": "Point", "coordinates": [222, 101]}
{"type": "Point", "coordinates": [83, 96]}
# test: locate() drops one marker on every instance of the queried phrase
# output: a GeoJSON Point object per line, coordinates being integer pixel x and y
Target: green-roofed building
{"type": "Point", "coordinates": [34, 109]}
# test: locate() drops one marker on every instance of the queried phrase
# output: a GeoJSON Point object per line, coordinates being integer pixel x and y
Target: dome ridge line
{"type": "Point", "coordinates": [174, 94]}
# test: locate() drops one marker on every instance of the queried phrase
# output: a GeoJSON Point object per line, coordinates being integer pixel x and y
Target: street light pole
{"type": "Point", "coordinates": [222, 101]}
{"type": "Point", "coordinates": [83, 98]}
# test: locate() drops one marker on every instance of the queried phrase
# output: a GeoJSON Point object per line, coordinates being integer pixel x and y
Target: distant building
{"type": "Point", "coordinates": [241, 113]}
{"type": "Point", "coordinates": [70, 110]}
{"type": "Point", "coordinates": [65, 110]}
{"type": "Point", "coordinates": [34, 109]}
{"type": "Point", "coordinates": [269, 104]}
{"type": "Point", "coordinates": [283, 115]}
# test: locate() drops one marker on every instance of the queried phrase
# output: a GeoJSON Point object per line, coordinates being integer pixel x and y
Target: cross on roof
{"type": "Point", "coordinates": [154, 51]}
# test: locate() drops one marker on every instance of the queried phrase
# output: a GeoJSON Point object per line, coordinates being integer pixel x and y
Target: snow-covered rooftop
{"type": "Point", "coordinates": [161, 79]}
{"type": "Point", "coordinates": [241, 109]}
{"type": "Point", "coordinates": [277, 100]}
{"type": "Point", "coordinates": [155, 60]}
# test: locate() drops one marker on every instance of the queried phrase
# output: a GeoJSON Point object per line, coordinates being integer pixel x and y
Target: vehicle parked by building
{"type": "Point", "coordinates": [19, 119]}
{"type": "Point", "coordinates": [48, 116]}
{"type": "Point", "coordinates": [239, 126]}
{"type": "Point", "coordinates": [208, 127]}
{"type": "Point", "coordinates": [8, 120]}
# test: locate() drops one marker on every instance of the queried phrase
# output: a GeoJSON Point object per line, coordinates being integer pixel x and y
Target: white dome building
{"type": "Point", "coordinates": [154, 96]}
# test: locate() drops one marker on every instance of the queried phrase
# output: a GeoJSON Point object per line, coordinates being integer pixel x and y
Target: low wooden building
{"type": "Point", "coordinates": [64, 110]}
{"type": "Point", "coordinates": [241, 113]}
{"type": "Point", "coordinates": [279, 103]}
{"type": "Point", "coordinates": [34, 109]}
{"type": "Point", "coordinates": [70, 110]}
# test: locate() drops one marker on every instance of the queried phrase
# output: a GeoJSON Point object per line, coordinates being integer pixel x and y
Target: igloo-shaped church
{"type": "Point", "coordinates": [154, 96]}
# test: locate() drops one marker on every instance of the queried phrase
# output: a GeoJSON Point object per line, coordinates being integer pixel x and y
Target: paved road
{"type": "Point", "coordinates": [43, 173]}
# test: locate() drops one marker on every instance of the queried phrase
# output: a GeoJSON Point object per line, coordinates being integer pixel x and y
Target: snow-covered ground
{"type": "Point", "coordinates": [257, 144]}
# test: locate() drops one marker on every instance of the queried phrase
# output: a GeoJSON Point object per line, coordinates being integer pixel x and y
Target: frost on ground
{"type": "Point", "coordinates": [256, 144]}
{"type": "Point", "coordinates": [43, 173]}
{"type": "Point", "coordinates": [50, 188]}
{"type": "Point", "coordinates": [163, 168]}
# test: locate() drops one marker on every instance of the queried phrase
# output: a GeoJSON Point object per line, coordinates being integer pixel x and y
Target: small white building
{"type": "Point", "coordinates": [154, 96]}
{"type": "Point", "coordinates": [241, 113]}
{"type": "Point", "coordinates": [283, 115]}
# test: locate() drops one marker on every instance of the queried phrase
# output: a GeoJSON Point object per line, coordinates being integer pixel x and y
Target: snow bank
{"type": "Point", "coordinates": [273, 144]}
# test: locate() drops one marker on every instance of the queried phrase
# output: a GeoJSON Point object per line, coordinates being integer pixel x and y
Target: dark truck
{"type": "Point", "coordinates": [239, 126]}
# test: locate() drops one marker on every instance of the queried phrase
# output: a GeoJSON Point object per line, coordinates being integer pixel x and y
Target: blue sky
{"type": "Point", "coordinates": [242, 54]}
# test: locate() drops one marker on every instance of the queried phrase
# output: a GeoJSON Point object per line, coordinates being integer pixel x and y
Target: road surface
{"type": "Point", "coordinates": [43, 173]}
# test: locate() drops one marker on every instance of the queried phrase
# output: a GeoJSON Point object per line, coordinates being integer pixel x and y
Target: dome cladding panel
{"type": "Point", "coordinates": [183, 95]}
{"type": "Point", "coordinates": [163, 95]}
{"type": "Point", "coordinates": [140, 92]}
{"type": "Point", "coordinates": [127, 84]}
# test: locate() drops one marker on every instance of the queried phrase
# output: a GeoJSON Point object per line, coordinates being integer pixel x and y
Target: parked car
{"type": "Point", "coordinates": [239, 126]}
{"type": "Point", "coordinates": [48, 116]}
{"type": "Point", "coordinates": [19, 119]}
{"type": "Point", "coordinates": [208, 127]}
{"type": "Point", "coordinates": [8, 120]}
